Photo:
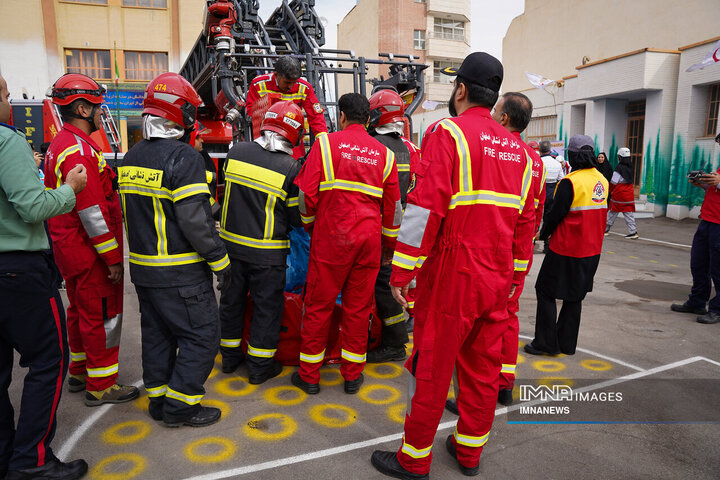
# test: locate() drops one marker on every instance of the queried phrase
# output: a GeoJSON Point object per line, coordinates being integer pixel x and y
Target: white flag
{"type": "Point", "coordinates": [538, 81]}
{"type": "Point", "coordinates": [430, 105]}
{"type": "Point", "coordinates": [711, 58]}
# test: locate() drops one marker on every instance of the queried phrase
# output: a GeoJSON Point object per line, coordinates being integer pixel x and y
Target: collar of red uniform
{"type": "Point", "coordinates": [482, 111]}
{"type": "Point", "coordinates": [76, 131]}
{"type": "Point", "coordinates": [355, 126]}
{"type": "Point", "coordinates": [516, 135]}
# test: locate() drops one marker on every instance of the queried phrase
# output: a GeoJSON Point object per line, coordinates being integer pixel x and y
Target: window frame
{"type": "Point", "coordinates": [155, 71]}
{"type": "Point", "coordinates": [152, 7]}
{"type": "Point", "coordinates": [712, 114]}
{"type": "Point", "coordinates": [449, 24]}
{"type": "Point", "coordinates": [438, 76]}
{"type": "Point", "coordinates": [419, 41]}
{"type": "Point", "coordinates": [532, 133]}
{"type": "Point", "coordinates": [96, 67]}
{"type": "Point", "coordinates": [87, 2]}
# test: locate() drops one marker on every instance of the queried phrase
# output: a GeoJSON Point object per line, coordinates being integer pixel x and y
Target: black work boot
{"type": "Point", "coordinates": [307, 387]}
{"type": "Point", "coordinates": [709, 318]}
{"type": "Point", "coordinates": [685, 308]}
{"type": "Point", "coordinates": [387, 463]}
{"type": "Point", "coordinates": [386, 353]}
{"type": "Point", "coordinates": [505, 396]}
{"type": "Point", "coordinates": [352, 386]}
{"type": "Point", "coordinates": [53, 469]}
{"type": "Point", "coordinates": [467, 471]}
{"type": "Point", "coordinates": [270, 372]}
{"type": "Point", "coordinates": [230, 364]}
{"type": "Point", "coordinates": [451, 406]}
{"type": "Point", "coordinates": [202, 418]}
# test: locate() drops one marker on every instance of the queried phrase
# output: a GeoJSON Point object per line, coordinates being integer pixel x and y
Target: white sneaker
{"type": "Point", "coordinates": [633, 236]}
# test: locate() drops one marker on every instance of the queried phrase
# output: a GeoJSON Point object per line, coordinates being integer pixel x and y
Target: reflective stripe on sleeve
{"type": "Point", "coordinates": [527, 180]}
{"type": "Point", "coordinates": [389, 162]}
{"type": "Point", "coordinates": [93, 221]}
{"type": "Point", "coordinates": [403, 167]}
{"type": "Point", "coordinates": [390, 232]}
{"type": "Point", "coordinates": [165, 260]}
{"type": "Point", "coordinates": [102, 371]}
{"type": "Point", "coordinates": [307, 220]}
{"type": "Point", "coordinates": [292, 202]}
{"type": "Point", "coordinates": [189, 399]}
{"type": "Point", "coordinates": [189, 190]}
{"type": "Point", "coordinates": [413, 452]}
{"type": "Point", "coordinates": [326, 155]}
{"type": "Point", "coordinates": [261, 352]}
{"type": "Point", "coordinates": [60, 159]}
{"type": "Point", "coordinates": [78, 356]}
{"type": "Point", "coordinates": [353, 357]}
{"type": "Point", "coordinates": [521, 265]}
{"type": "Point", "coordinates": [404, 261]}
{"type": "Point", "coordinates": [469, 440]}
{"type": "Point", "coordinates": [413, 225]}
{"type": "Point", "coordinates": [230, 342]}
{"type": "Point", "coordinates": [309, 358]}
{"type": "Point", "coordinates": [508, 368]}
{"type": "Point", "coordinates": [393, 320]}
{"type": "Point", "coordinates": [463, 152]}
{"type": "Point", "coordinates": [218, 265]}
{"type": "Point", "coordinates": [106, 247]}
{"type": "Point", "coordinates": [154, 392]}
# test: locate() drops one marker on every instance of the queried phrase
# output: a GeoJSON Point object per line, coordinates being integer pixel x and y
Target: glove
{"type": "Point", "coordinates": [223, 278]}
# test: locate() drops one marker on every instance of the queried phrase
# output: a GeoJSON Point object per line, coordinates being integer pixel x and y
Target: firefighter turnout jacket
{"type": "Point", "coordinates": [406, 154]}
{"type": "Point", "coordinates": [260, 204]}
{"type": "Point", "coordinates": [170, 230]}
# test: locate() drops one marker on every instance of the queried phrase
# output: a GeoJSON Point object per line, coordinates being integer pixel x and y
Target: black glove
{"type": "Point", "coordinates": [223, 278]}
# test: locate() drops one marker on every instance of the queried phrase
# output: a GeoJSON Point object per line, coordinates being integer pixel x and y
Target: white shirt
{"type": "Point", "coordinates": [554, 169]}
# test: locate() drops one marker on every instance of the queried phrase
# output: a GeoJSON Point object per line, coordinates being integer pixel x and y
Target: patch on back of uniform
{"type": "Point", "coordinates": [413, 182]}
{"type": "Point", "coordinates": [598, 193]}
{"type": "Point", "coordinates": [317, 107]}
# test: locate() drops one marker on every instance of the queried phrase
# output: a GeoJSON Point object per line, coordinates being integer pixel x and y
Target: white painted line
{"type": "Point", "coordinates": [600, 355]}
{"type": "Point", "coordinates": [443, 426]}
{"type": "Point", "coordinates": [69, 444]}
{"type": "Point", "coordinates": [657, 241]}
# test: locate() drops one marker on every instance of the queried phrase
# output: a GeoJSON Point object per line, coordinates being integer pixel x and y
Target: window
{"type": "Point", "coordinates": [97, 2]}
{"type": "Point", "coordinates": [541, 128]}
{"type": "Point", "coordinates": [419, 37]}
{"type": "Point", "coordinates": [711, 124]}
{"type": "Point", "coordinates": [93, 63]}
{"type": "Point", "coordinates": [419, 1]}
{"type": "Point", "coordinates": [449, 29]}
{"type": "Point", "coordinates": [438, 76]}
{"type": "Point", "coordinates": [145, 3]}
{"type": "Point", "coordinates": [145, 65]}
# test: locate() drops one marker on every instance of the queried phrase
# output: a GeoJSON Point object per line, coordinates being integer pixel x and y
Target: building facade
{"type": "Point", "coordinates": [142, 38]}
{"type": "Point", "coordinates": [626, 84]}
{"type": "Point", "coordinates": [435, 32]}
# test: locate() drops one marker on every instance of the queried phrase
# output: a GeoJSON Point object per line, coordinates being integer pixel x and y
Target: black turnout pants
{"type": "Point", "coordinates": [394, 333]}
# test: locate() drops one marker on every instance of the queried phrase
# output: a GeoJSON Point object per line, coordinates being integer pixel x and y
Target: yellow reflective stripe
{"type": "Point", "coordinates": [389, 162]}
{"type": "Point", "coordinates": [537, 203]}
{"type": "Point", "coordinates": [189, 190]}
{"type": "Point", "coordinates": [209, 176]}
{"type": "Point", "coordinates": [253, 242]}
{"type": "Point", "coordinates": [520, 265]}
{"type": "Point", "coordinates": [421, 261]}
{"type": "Point", "coordinates": [358, 187]}
{"type": "Point", "coordinates": [230, 342]}
{"type": "Point", "coordinates": [353, 357]}
{"type": "Point", "coordinates": [160, 232]}
{"type": "Point", "coordinates": [61, 159]}
{"type": "Point", "coordinates": [390, 232]}
{"type": "Point", "coordinates": [411, 304]}
{"type": "Point", "coordinates": [413, 452]}
{"type": "Point", "coordinates": [255, 172]}
{"type": "Point", "coordinates": [162, 193]}
{"type": "Point", "coordinates": [250, 183]}
{"type": "Point", "coordinates": [326, 154]}
{"type": "Point", "coordinates": [403, 167]}
{"type": "Point", "coordinates": [404, 261]}
{"type": "Point", "coordinates": [269, 218]}
{"type": "Point", "coordinates": [261, 352]}
{"type": "Point", "coordinates": [105, 247]}
{"type": "Point", "coordinates": [154, 392]}
{"type": "Point", "coordinates": [218, 265]}
{"type": "Point", "coordinates": [189, 399]}
{"type": "Point", "coordinates": [309, 358]}
{"type": "Point", "coordinates": [469, 440]}
{"type": "Point", "coordinates": [464, 153]}
{"type": "Point", "coordinates": [292, 202]}
{"type": "Point", "coordinates": [527, 180]}
{"type": "Point", "coordinates": [77, 356]}
{"type": "Point", "coordinates": [307, 220]}
{"type": "Point", "coordinates": [102, 371]}
{"type": "Point", "coordinates": [602, 206]}
{"type": "Point", "coordinates": [393, 320]}
{"type": "Point", "coordinates": [226, 201]}
{"type": "Point", "coordinates": [165, 260]}
{"type": "Point", "coordinates": [486, 197]}
{"type": "Point", "coordinates": [508, 368]}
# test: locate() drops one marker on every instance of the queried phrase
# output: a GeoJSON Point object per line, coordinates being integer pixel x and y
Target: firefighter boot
{"type": "Point", "coordinates": [230, 364]}
{"type": "Point", "coordinates": [467, 471]}
{"type": "Point", "coordinates": [388, 464]}
{"type": "Point", "coordinates": [352, 386]}
{"type": "Point", "coordinates": [271, 372]}
{"type": "Point", "coordinates": [203, 417]}
{"type": "Point", "coordinates": [307, 387]}
{"type": "Point", "coordinates": [386, 354]}
{"type": "Point", "coordinates": [505, 396]}
{"type": "Point", "coordinates": [115, 394]}
{"type": "Point", "coordinates": [53, 468]}
{"type": "Point", "coordinates": [76, 383]}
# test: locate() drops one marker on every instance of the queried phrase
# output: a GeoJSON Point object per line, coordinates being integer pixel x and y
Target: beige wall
{"type": "Point", "coordinates": [359, 31]}
{"type": "Point", "coordinates": [552, 36]}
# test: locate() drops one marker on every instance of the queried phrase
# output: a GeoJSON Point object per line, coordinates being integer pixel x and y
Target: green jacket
{"type": "Point", "coordinates": [24, 202]}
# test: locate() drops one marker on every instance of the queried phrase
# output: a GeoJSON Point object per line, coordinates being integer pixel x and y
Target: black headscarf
{"type": "Point", "coordinates": [605, 168]}
{"type": "Point", "coordinates": [626, 169]}
{"type": "Point", "coordinates": [585, 158]}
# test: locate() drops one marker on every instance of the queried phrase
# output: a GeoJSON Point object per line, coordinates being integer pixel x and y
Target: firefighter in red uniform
{"type": "Point", "coordinates": [575, 225]}
{"type": "Point", "coordinates": [87, 243]}
{"type": "Point", "coordinates": [259, 208]}
{"type": "Point", "coordinates": [463, 222]}
{"type": "Point", "coordinates": [286, 85]}
{"type": "Point", "coordinates": [387, 123]}
{"type": "Point", "coordinates": [350, 202]}
{"type": "Point", "coordinates": [174, 246]}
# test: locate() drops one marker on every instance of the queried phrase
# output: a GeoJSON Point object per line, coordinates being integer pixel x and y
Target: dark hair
{"type": "Point", "coordinates": [355, 107]}
{"type": "Point", "coordinates": [288, 67]}
{"type": "Point", "coordinates": [519, 108]}
{"type": "Point", "coordinates": [717, 138]}
{"type": "Point", "coordinates": [604, 154]}
{"type": "Point", "coordinates": [479, 95]}
{"type": "Point", "coordinates": [68, 111]}
{"type": "Point", "coordinates": [585, 158]}
{"type": "Point", "coordinates": [545, 146]}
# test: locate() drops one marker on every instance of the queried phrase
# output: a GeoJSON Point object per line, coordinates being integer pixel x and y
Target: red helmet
{"type": "Point", "coordinates": [73, 86]}
{"type": "Point", "coordinates": [389, 105]}
{"type": "Point", "coordinates": [285, 118]}
{"type": "Point", "coordinates": [534, 145]}
{"type": "Point", "coordinates": [172, 97]}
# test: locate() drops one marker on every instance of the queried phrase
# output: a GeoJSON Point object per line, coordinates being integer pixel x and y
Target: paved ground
{"type": "Point", "coordinates": [664, 364]}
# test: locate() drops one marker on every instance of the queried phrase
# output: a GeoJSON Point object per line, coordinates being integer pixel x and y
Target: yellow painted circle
{"type": "Point", "coordinates": [366, 392]}
{"type": "Point", "coordinates": [254, 428]}
{"type": "Point", "coordinates": [597, 365]}
{"type": "Point", "coordinates": [550, 381]}
{"type": "Point", "coordinates": [213, 373]}
{"type": "Point", "coordinates": [136, 461]}
{"type": "Point", "coordinates": [225, 450]}
{"type": "Point", "coordinates": [375, 370]}
{"type": "Point", "coordinates": [285, 395]}
{"type": "Point", "coordinates": [142, 402]}
{"type": "Point", "coordinates": [396, 413]}
{"type": "Point", "coordinates": [287, 370]}
{"type": "Point", "coordinates": [521, 344]}
{"type": "Point", "coordinates": [225, 387]}
{"type": "Point", "coordinates": [319, 414]}
{"type": "Point", "coordinates": [548, 366]}
{"type": "Point", "coordinates": [326, 372]}
{"type": "Point", "coordinates": [520, 359]}
{"type": "Point", "coordinates": [223, 406]}
{"type": "Point", "coordinates": [126, 432]}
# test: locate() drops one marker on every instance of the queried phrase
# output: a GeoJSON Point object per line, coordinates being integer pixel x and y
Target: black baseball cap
{"type": "Point", "coordinates": [480, 68]}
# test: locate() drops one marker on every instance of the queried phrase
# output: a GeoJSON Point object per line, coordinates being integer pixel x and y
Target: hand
{"type": "Point", "coordinates": [711, 179]}
{"type": "Point", "coordinates": [38, 159]}
{"type": "Point", "coordinates": [116, 273]}
{"type": "Point", "coordinates": [387, 256]}
{"type": "Point", "coordinates": [223, 278]}
{"type": "Point", "coordinates": [400, 294]}
{"type": "Point", "coordinates": [512, 290]}
{"type": "Point", "coordinates": [77, 178]}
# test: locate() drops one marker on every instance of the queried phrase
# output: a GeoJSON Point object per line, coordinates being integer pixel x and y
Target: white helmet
{"type": "Point", "coordinates": [624, 152]}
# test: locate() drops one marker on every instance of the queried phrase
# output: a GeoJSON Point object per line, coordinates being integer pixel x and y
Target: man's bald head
{"type": "Point", "coordinates": [4, 102]}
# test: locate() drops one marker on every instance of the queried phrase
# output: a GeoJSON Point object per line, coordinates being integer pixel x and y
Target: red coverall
{"type": "Point", "coordinates": [85, 241]}
{"type": "Point", "coordinates": [463, 221]}
{"type": "Point", "coordinates": [349, 200]}
{"type": "Point", "coordinates": [510, 338]}
{"type": "Point", "coordinates": [302, 94]}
